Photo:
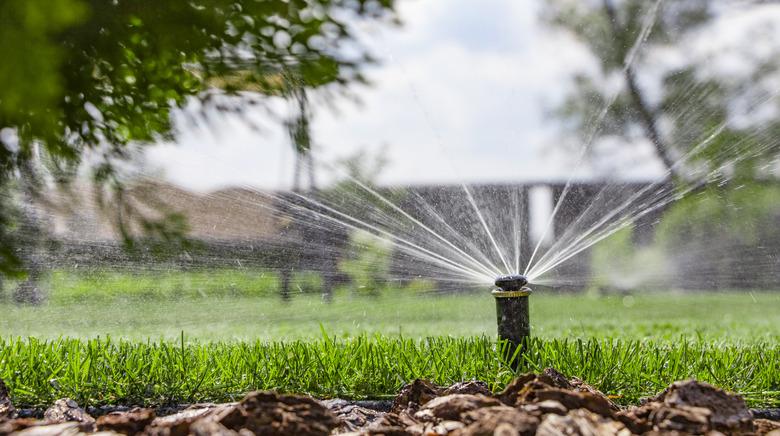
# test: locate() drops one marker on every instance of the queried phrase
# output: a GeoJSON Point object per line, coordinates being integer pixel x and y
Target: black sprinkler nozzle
{"type": "Point", "coordinates": [510, 283]}
{"type": "Point", "coordinates": [514, 326]}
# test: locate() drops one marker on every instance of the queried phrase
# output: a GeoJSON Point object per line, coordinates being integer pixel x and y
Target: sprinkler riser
{"type": "Point", "coordinates": [513, 318]}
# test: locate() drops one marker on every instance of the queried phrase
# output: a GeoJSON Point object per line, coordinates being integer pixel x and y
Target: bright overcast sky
{"type": "Point", "coordinates": [461, 94]}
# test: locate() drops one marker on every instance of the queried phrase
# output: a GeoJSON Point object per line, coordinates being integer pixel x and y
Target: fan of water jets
{"type": "Point", "coordinates": [469, 234]}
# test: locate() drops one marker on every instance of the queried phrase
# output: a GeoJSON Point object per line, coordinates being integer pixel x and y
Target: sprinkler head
{"type": "Point", "coordinates": [510, 283]}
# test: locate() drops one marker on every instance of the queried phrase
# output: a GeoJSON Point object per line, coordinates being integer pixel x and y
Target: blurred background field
{"type": "Point", "coordinates": [241, 304]}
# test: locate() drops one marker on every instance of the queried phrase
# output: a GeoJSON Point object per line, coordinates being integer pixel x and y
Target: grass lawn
{"type": "Point", "coordinates": [110, 372]}
{"type": "Point", "coordinates": [657, 316]}
{"type": "Point", "coordinates": [204, 338]}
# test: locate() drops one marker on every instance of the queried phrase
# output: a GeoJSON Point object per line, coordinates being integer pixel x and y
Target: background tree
{"type": "Point", "coordinates": [299, 130]}
{"type": "Point", "coordinates": [316, 234]}
{"type": "Point", "coordinates": [95, 80]}
{"type": "Point", "coordinates": [698, 122]}
{"type": "Point", "coordinates": [678, 106]}
{"type": "Point", "coordinates": [367, 259]}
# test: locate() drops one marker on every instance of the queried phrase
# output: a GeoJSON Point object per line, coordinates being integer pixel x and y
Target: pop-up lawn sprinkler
{"type": "Point", "coordinates": [514, 325]}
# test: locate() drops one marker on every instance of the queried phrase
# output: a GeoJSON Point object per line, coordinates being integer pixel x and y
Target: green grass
{"type": "Point", "coordinates": [107, 285]}
{"type": "Point", "coordinates": [238, 336]}
{"type": "Point", "coordinates": [110, 372]}
{"type": "Point", "coordinates": [657, 316]}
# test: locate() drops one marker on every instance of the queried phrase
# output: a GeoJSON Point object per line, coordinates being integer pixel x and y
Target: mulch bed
{"type": "Point", "coordinates": [542, 404]}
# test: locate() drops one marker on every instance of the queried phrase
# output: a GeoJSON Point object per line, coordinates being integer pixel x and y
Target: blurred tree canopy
{"type": "Point", "coordinates": [675, 108]}
{"type": "Point", "coordinates": [715, 131]}
{"type": "Point", "coordinates": [95, 80]}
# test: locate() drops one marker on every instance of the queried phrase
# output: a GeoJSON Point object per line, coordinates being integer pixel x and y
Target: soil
{"type": "Point", "coordinates": [544, 404]}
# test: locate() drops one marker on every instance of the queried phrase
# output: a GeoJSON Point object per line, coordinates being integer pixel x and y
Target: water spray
{"type": "Point", "coordinates": [514, 324]}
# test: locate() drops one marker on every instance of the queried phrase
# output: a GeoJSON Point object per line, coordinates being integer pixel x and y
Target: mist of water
{"type": "Point", "coordinates": [475, 233]}
{"type": "Point", "coordinates": [462, 237]}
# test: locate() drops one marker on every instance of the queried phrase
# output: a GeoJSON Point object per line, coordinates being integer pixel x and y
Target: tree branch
{"type": "Point", "coordinates": [646, 117]}
{"type": "Point", "coordinates": [648, 120]}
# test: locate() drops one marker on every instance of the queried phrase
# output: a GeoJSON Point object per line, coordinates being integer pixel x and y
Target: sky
{"type": "Point", "coordinates": [462, 93]}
